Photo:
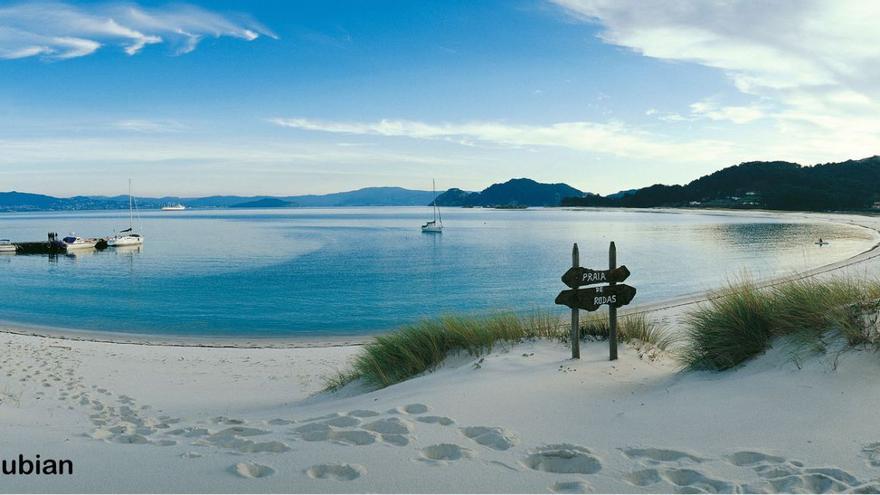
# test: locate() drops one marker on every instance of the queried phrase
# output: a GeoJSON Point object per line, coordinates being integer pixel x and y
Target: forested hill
{"type": "Point", "coordinates": [515, 192]}
{"type": "Point", "coordinates": [850, 185]}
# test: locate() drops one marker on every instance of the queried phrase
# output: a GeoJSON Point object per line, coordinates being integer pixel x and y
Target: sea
{"type": "Point", "coordinates": [317, 272]}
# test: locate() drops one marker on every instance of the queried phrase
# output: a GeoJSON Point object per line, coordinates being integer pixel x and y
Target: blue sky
{"type": "Point", "coordinates": [280, 97]}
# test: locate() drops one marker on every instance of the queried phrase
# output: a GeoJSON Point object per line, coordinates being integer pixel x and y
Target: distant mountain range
{"type": "Point", "coordinates": [370, 196]}
{"type": "Point", "coordinates": [515, 192]}
{"type": "Point", "coordinates": [849, 185]}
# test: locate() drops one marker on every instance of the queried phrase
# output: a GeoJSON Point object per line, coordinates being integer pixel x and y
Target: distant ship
{"type": "Point", "coordinates": [177, 207]}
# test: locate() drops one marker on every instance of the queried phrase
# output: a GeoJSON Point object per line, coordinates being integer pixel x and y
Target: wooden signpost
{"type": "Point", "coordinates": [593, 298]}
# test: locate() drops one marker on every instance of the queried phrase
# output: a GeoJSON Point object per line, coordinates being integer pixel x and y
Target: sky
{"type": "Point", "coordinates": [282, 98]}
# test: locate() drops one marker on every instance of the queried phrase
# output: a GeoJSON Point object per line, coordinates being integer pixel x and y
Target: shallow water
{"type": "Point", "coordinates": [359, 270]}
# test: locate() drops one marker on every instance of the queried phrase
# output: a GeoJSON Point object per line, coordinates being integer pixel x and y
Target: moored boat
{"type": "Point", "coordinates": [72, 242]}
{"type": "Point", "coordinates": [6, 246]}
{"type": "Point", "coordinates": [434, 226]}
{"type": "Point", "coordinates": [127, 237]}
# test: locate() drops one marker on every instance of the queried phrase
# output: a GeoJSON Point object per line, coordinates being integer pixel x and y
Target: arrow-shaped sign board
{"type": "Point", "coordinates": [578, 276]}
{"type": "Point", "coordinates": [593, 298]}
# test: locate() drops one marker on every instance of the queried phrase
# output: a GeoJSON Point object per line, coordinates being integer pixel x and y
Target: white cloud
{"type": "Point", "coordinates": [61, 31]}
{"type": "Point", "coordinates": [815, 62]}
{"type": "Point", "coordinates": [149, 126]}
{"type": "Point", "coordinates": [612, 138]}
{"type": "Point", "coordinates": [735, 114]}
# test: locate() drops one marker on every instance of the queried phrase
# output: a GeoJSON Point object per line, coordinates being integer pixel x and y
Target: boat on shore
{"type": "Point", "coordinates": [174, 207]}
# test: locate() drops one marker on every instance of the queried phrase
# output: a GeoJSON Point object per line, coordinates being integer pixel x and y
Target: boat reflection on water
{"type": "Point", "coordinates": [128, 250]}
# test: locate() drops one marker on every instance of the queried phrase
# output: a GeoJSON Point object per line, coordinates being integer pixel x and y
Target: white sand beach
{"type": "Point", "coordinates": [525, 418]}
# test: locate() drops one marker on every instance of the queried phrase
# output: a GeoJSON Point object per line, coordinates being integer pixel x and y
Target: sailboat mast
{"type": "Point", "coordinates": [130, 213]}
{"type": "Point", "coordinates": [434, 192]}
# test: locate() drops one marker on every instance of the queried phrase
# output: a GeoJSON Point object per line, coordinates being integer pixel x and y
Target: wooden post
{"type": "Point", "coordinates": [612, 310]}
{"type": "Point", "coordinates": [575, 314]}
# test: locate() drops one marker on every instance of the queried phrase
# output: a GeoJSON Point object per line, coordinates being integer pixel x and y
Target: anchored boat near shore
{"type": "Point", "coordinates": [6, 246]}
{"type": "Point", "coordinates": [127, 237]}
{"type": "Point", "coordinates": [434, 226]}
{"type": "Point", "coordinates": [72, 243]}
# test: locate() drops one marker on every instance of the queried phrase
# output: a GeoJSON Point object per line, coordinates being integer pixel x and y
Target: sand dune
{"type": "Point", "coordinates": [526, 420]}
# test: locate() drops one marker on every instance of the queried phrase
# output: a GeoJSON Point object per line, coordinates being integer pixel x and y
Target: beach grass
{"type": "Point", "coordinates": [744, 320]}
{"type": "Point", "coordinates": [422, 346]}
{"type": "Point", "coordinates": [630, 328]}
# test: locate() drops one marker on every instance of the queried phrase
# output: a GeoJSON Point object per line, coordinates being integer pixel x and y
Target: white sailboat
{"type": "Point", "coordinates": [434, 226]}
{"type": "Point", "coordinates": [127, 237]}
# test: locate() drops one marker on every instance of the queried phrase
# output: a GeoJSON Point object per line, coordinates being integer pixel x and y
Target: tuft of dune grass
{"type": "Point", "coordinates": [743, 321]}
{"type": "Point", "coordinates": [422, 346]}
{"type": "Point", "coordinates": [630, 328]}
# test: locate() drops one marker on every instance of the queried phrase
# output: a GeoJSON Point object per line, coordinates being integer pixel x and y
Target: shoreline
{"type": "Point", "coordinates": [329, 341]}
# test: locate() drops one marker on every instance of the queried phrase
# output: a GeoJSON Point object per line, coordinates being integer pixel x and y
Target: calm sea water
{"type": "Point", "coordinates": [359, 270]}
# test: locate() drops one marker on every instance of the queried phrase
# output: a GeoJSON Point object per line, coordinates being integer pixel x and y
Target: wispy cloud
{"type": "Point", "coordinates": [814, 61]}
{"type": "Point", "coordinates": [61, 31]}
{"type": "Point", "coordinates": [149, 126]}
{"type": "Point", "coordinates": [613, 137]}
{"type": "Point", "coordinates": [735, 114]}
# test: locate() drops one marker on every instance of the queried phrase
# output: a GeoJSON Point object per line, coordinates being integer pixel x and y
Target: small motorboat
{"type": "Point", "coordinates": [6, 246]}
{"type": "Point", "coordinates": [72, 242]}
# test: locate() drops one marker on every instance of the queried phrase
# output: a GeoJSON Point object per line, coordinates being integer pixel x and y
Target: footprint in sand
{"type": "Point", "coordinates": [807, 483]}
{"type": "Point", "coordinates": [692, 481]}
{"type": "Point", "coordinates": [241, 431]}
{"type": "Point", "coordinates": [643, 477]}
{"type": "Point", "coordinates": [409, 409]}
{"type": "Point", "coordinates": [391, 426]}
{"type": "Point", "coordinates": [440, 420]}
{"type": "Point", "coordinates": [243, 445]}
{"type": "Point", "coordinates": [190, 432]}
{"type": "Point", "coordinates": [279, 422]}
{"type": "Point", "coordinates": [251, 470]}
{"type": "Point", "coordinates": [749, 458]}
{"type": "Point", "coordinates": [445, 452]}
{"type": "Point", "coordinates": [491, 436]}
{"type": "Point", "coordinates": [352, 437]}
{"type": "Point", "coordinates": [571, 487]}
{"type": "Point", "coordinates": [656, 456]}
{"type": "Point", "coordinates": [563, 458]}
{"type": "Point", "coordinates": [415, 409]}
{"type": "Point", "coordinates": [338, 472]}
{"type": "Point", "coordinates": [398, 440]}
{"type": "Point", "coordinates": [871, 451]}
{"type": "Point", "coordinates": [314, 432]}
{"type": "Point", "coordinates": [363, 413]}
{"type": "Point", "coordinates": [343, 422]}
{"type": "Point", "coordinates": [869, 488]}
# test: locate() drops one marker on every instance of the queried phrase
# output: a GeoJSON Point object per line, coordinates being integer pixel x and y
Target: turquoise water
{"type": "Point", "coordinates": [304, 272]}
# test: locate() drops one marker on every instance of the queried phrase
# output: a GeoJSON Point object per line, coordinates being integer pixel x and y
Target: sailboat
{"type": "Point", "coordinates": [435, 226]}
{"type": "Point", "coordinates": [127, 237]}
